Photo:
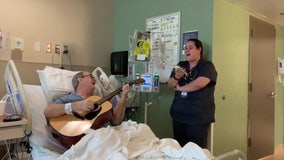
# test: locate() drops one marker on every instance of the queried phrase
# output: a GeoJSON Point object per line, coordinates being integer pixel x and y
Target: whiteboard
{"type": "Point", "coordinates": [165, 44]}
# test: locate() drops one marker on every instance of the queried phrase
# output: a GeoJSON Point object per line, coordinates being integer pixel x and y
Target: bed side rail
{"type": "Point", "coordinates": [233, 155]}
{"type": "Point", "coordinates": [17, 94]}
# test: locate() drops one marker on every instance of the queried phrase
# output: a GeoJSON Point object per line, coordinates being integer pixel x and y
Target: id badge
{"type": "Point", "coordinates": [183, 94]}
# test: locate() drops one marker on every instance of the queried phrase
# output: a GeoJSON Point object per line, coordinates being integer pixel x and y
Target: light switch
{"type": "Point", "coordinates": [37, 46]}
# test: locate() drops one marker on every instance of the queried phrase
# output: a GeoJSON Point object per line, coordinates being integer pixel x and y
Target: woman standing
{"type": "Point", "coordinates": [193, 106]}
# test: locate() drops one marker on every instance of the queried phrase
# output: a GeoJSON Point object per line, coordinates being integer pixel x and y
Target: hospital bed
{"type": "Point", "coordinates": [130, 140]}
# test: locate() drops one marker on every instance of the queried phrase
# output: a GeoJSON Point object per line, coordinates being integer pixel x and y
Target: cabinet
{"type": "Point", "coordinates": [11, 130]}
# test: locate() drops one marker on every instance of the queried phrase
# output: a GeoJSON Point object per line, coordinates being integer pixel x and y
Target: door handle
{"type": "Point", "coordinates": [272, 95]}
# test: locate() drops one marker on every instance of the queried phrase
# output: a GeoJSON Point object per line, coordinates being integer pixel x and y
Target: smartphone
{"type": "Point", "coordinates": [12, 117]}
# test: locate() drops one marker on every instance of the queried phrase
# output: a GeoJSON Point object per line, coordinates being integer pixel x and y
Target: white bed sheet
{"type": "Point", "coordinates": [127, 141]}
{"type": "Point", "coordinates": [131, 141]}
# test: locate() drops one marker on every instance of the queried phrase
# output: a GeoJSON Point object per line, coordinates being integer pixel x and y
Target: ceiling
{"type": "Point", "coordinates": [272, 10]}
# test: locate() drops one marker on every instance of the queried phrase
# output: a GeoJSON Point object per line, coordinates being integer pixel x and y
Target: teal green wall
{"type": "Point", "coordinates": [224, 30]}
{"type": "Point", "coordinates": [131, 15]}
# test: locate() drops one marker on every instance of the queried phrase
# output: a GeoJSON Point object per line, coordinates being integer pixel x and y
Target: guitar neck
{"type": "Point", "coordinates": [97, 105]}
{"type": "Point", "coordinates": [109, 96]}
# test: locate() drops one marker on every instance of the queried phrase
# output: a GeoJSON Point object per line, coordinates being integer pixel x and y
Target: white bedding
{"type": "Point", "coordinates": [126, 141]}
{"type": "Point", "coordinates": [130, 141]}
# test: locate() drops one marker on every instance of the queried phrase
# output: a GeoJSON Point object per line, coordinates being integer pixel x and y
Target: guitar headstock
{"type": "Point", "coordinates": [137, 81]}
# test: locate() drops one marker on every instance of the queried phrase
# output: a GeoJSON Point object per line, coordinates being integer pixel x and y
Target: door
{"type": "Point", "coordinates": [261, 89]}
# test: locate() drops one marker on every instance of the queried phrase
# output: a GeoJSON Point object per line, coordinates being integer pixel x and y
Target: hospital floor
{"type": "Point", "coordinates": [278, 154]}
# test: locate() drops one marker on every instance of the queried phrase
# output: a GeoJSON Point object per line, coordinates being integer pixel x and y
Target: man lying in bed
{"type": "Point", "coordinates": [84, 86]}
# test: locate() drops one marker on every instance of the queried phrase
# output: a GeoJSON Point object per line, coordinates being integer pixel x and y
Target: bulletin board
{"type": "Point", "coordinates": [165, 44]}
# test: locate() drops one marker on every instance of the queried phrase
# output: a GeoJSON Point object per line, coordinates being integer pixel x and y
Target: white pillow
{"type": "Point", "coordinates": [55, 82]}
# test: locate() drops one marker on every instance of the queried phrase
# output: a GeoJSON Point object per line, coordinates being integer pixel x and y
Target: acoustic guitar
{"type": "Point", "coordinates": [69, 129]}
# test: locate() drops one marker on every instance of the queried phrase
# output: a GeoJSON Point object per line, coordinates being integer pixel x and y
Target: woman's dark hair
{"type": "Point", "coordinates": [198, 44]}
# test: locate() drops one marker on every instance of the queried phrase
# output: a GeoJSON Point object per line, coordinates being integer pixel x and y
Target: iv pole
{"type": "Point", "coordinates": [146, 104]}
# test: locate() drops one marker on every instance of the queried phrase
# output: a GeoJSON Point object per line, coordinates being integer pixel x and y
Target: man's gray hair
{"type": "Point", "coordinates": [75, 81]}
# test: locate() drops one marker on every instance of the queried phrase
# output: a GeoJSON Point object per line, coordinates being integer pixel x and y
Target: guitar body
{"type": "Point", "coordinates": [68, 129]}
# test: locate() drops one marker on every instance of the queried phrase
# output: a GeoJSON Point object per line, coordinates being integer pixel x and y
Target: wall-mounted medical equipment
{"type": "Point", "coordinates": [151, 83]}
{"type": "Point", "coordinates": [280, 70]}
{"type": "Point", "coordinates": [17, 43]}
{"type": "Point", "coordinates": [61, 49]}
{"type": "Point", "coordinates": [280, 66]}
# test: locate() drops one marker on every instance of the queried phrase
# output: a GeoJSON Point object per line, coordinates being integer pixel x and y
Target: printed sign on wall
{"type": "Point", "coordinates": [165, 42]}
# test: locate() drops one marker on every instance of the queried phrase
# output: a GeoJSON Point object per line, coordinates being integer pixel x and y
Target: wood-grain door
{"type": "Point", "coordinates": [261, 89]}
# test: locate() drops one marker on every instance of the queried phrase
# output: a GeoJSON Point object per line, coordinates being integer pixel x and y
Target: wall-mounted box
{"type": "Point", "coordinates": [58, 48]}
{"type": "Point", "coordinates": [17, 43]}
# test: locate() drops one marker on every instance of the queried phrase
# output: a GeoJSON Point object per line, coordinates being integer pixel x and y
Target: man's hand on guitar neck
{"type": "Point", "coordinates": [118, 111]}
{"type": "Point", "coordinates": [125, 90]}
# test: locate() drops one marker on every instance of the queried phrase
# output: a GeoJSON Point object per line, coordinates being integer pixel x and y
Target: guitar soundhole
{"type": "Point", "coordinates": [96, 106]}
{"type": "Point", "coordinates": [93, 114]}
